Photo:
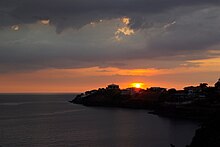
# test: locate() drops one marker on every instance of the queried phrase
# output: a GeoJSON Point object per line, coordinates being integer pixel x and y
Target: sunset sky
{"type": "Point", "coordinates": [78, 45]}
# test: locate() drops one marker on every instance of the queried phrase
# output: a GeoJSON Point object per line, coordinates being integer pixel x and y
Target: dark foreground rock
{"type": "Point", "coordinates": [208, 135]}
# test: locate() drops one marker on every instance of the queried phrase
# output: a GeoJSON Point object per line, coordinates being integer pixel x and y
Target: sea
{"type": "Point", "coordinates": [49, 120]}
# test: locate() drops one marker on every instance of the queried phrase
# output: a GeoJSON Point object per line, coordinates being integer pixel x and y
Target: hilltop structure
{"type": "Point", "coordinates": [193, 101]}
{"type": "Point", "coordinates": [113, 87]}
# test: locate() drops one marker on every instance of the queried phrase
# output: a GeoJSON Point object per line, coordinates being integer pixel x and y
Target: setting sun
{"type": "Point", "coordinates": [137, 85]}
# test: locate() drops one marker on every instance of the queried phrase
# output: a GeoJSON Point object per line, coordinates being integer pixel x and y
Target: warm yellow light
{"type": "Point", "coordinates": [137, 85]}
{"type": "Point", "coordinates": [126, 20]}
{"type": "Point", "coordinates": [127, 31]}
{"type": "Point", "coordinates": [45, 21]}
{"type": "Point", "coordinates": [15, 27]}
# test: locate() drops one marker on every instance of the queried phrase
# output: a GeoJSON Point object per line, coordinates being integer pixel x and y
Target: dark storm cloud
{"type": "Point", "coordinates": [168, 33]}
{"type": "Point", "coordinates": [76, 13]}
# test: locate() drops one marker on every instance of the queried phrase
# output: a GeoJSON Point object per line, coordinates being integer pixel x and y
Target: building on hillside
{"type": "Point", "coordinates": [157, 89]}
{"type": "Point", "coordinates": [130, 91]}
{"type": "Point", "coordinates": [90, 92]}
{"type": "Point", "coordinates": [180, 97]}
{"type": "Point", "coordinates": [125, 92]}
{"type": "Point", "coordinates": [197, 91]}
{"type": "Point", "coordinates": [203, 86]}
{"type": "Point", "coordinates": [180, 94]}
{"type": "Point", "coordinates": [192, 91]}
{"type": "Point", "coordinates": [113, 87]}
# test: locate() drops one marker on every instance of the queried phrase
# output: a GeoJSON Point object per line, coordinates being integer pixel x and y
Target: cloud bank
{"type": "Point", "coordinates": [74, 34]}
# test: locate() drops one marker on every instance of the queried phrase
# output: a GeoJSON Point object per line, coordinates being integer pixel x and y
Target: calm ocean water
{"type": "Point", "coordinates": [49, 120]}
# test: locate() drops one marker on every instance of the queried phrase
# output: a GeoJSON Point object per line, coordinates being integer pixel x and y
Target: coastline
{"type": "Point", "coordinates": [206, 135]}
{"type": "Point", "coordinates": [203, 106]}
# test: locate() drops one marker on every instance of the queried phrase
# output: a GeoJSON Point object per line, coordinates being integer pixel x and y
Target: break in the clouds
{"type": "Point", "coordinates": [119, 33]}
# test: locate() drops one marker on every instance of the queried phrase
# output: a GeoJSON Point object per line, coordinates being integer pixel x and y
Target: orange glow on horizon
{"type": "Point", "coordinates": [83, 79]}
